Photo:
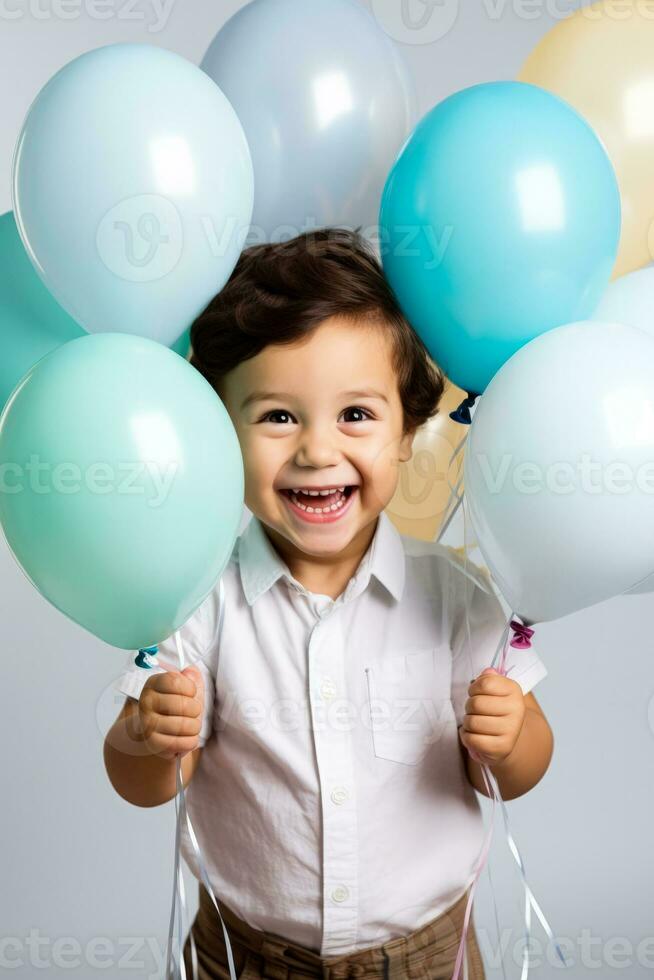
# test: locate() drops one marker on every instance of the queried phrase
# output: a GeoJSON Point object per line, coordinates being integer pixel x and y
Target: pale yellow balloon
{"type": "Point", "coordinates": [419, 504]}
{"type": "Point", "coordinates": [600, 59]}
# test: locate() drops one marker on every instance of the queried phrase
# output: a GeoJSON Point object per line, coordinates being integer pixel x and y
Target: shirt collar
{"type": "Point", "coordinates": [260, 564]}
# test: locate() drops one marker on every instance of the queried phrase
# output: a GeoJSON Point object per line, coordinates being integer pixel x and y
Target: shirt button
{"type": "Point", "coordinates": [327, 688]}
{"type": "Point", "coordinates": [339, 795]}
{"type": "Point", "coordinates": [340, 893]}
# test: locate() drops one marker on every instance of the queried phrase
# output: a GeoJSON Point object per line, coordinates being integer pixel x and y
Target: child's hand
{"type": "Point", "coordinates": [495, 712]}
{"type": "Point", "coordinates": [170, 712]}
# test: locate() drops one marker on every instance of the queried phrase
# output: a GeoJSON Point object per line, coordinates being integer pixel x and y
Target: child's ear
{"type": "Point", "coordinates": [406, 445]}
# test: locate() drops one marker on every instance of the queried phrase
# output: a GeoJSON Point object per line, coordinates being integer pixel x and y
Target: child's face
{"type": "Point", "coordinates": [324, 413]}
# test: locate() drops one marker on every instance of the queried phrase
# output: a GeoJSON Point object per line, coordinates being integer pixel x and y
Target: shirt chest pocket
{"type": "Point", "coordinates": [410, 707]}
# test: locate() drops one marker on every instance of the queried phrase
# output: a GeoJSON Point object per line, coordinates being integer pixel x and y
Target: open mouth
{"type": "Point", "coordinates": [319, 504]}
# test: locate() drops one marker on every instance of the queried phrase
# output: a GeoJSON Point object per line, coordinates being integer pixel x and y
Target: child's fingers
{"type": "Point", "coordinates": [196, 676]}
{"type": "Point", "coordinates": [488, 704]}
{"type": "Point", "coordinates": [172, 685]}
{"type": "Point", "coordinates": [171, 703]}
{"type": "Point", "coordinates": [485, 744]}
{"type": "Point", "coordinates": [492, 683]}
{"type": "Point", "coordinates": [484, 725]}
{"type": "Point", "coordinates": [178, 725]}
{"type": "Point", "coordinates": [463, 735]}
{"type": "Point", "coordinates": [194, 671]}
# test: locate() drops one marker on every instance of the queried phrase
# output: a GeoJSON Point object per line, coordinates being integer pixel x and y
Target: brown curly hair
{"type": "Point", "coordinates": [278, 293]}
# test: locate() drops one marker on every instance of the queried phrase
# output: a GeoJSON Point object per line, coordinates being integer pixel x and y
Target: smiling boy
{"type": "Point", "coordinates": [321, 457]}
{"type": "Point", "coordinates": [324, 730]}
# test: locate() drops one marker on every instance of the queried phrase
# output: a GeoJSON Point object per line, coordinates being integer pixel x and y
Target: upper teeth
{"type": "Point", "coordinates": [322, 493]}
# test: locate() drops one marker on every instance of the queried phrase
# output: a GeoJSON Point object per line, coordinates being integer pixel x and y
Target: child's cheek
{"type": "Point", "coordinates": [383, 467]}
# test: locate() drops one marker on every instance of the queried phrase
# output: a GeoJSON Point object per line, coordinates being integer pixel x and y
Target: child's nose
{"type": "Point", "coordinates": [317, 447]}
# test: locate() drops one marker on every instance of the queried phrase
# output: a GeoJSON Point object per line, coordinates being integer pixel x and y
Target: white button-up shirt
{"type": "Point", "coordinates": [331, 803]}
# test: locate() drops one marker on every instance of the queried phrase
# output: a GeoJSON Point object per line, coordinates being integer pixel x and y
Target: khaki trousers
{"type": "Point", "coordinates": [429, 953]}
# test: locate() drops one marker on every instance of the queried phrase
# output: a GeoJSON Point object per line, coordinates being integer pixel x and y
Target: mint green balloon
{"type": "Point", "coordinates": [121, 485]}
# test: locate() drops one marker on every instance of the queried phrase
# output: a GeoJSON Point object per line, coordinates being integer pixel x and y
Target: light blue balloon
{"type": "Point", "coordinates": [500, 220]}
{"type": "Point", "coordinates": [326, 101]}
{"type": "Point", "coordinates": [122, 485]}
{"type": "Point", "coordinates": [133, 190]}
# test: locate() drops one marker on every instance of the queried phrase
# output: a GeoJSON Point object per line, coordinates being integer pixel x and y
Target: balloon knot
{"type": "Point", "coordinates": [146, 657]}
{"type": "Point", "coordinates": [462, 413]}
{"type": "Point", "coordinates": [522, 635]}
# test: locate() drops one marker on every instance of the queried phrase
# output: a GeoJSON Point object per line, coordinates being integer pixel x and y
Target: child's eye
{"type": "Point", "coordinates": [268, 417]}
{"type": "Point", "coordinates": [360, 411]}
{"type": "Point", "coordinates": [281, 416]}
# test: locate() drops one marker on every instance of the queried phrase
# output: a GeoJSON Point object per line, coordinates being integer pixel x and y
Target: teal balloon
{"type": "Point", "coordinates": [500, 220]}
{"type": "Point", "coordinates": [133, 189]}
{"type": "Point", "coordinates": [122, 485]}
{"type": "Point", "coordinates": [183, 345]}
{"type": "Point", "coordinates": [31, 321]}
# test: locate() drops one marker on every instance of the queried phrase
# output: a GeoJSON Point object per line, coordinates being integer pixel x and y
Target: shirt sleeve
{"type": "Point", "coordinates": [198, 640]}
{"type": "Point", "coordinates": [474, 639]}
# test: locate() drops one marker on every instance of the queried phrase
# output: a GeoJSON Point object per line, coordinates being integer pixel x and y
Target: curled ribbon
{"type": "Point", "coordinates": [522, 635]}
{"type": "Point", "coordinates": [175, 965]}
{"type": "Point", "coordinates": [147, 658]}
{"type": "Point", "coordinates": [521, 640]}
{"type": "Point", "coordinates": [493, 791]}
{"type": "Point", "coordinates": [176, 968]}
{"type": "Point", "coordinates": [462, 413]}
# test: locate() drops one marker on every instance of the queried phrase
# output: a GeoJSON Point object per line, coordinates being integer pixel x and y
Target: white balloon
{"type": "Point", "coordinates": [559, 469]}
{"type": "Point", "coordinates": [326, 102]}
{"type": "Point", "coordinates": [630, 300]}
